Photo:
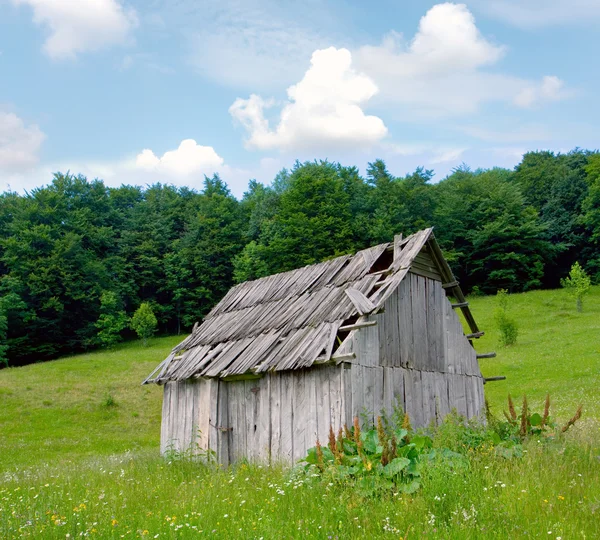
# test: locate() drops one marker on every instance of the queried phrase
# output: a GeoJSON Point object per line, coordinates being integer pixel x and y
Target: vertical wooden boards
{"type": "Point", "coordinates": [323, 412]}
{"type": "Point", "coordinates": [405, 324]}
{"type": "Point", "coordinates": [224, 428]}
{"type": "Point", "coordinates": [252, 397]}
{"type": "Point", "coordinates": [242, 426]}
{"type": "Point", "coordinates": [378, 404]}
{"type": "Point", "coordinates": [428, 396]}
{"type": "Point", "coordinates": [165, 418]}
{"type": "Point", "coordinates": [441, 396]}
{"type": "Point", "coordinates": [232, 417]}
{"type": "Point", "coordinates": [419, 316]}
{"type": "Point", "coordinates": [213, 416]}
{"type": "Point", "coordinates": [440, 300]}
{"type": "Point", "coordinates": [263, 421]}
{"type": "Point", "coordinates": [310, 389]}
{"type": "Point", "coordinates": [185, 412]}
{"type": "Point", "coordinates": [299, 407]}
{"type": "Point", "coordinates": [203, 412]}
{"type": "Point", "coordinates": [413, 394]}
{"type": "Point", "coordinates": [388, 333]}
{"type": "Point", "coordinates": [366, 346]}
{"type": "Point", "coordinates": [335, 397]}
{"type": "Point", "coordinates": [275, 411]}
{"type": "Point", "coordinates": [457, 393]}
{"type": "Point", "coordinates": [288, 419]}
{"type": "Point", "coordinates": [347, 401]}
{"type": "Point", "coordinates": [398, 388]}
{"type": "Point", "coordinates": [174, 424]}
{"type": "Point", "coordinates": [368, 394]}
{"type": "Point", "coordinates": [358, 391]}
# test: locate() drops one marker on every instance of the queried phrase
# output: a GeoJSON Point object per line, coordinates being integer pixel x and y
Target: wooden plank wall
{"type": "Point", "coordinates": [276, 418]}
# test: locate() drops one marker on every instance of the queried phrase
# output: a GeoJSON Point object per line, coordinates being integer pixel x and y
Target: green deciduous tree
{"type": "Point", "coordinates": [144, 322]}
{"type": "Point", "coordinates": [112, 320]}
{"type": "Point", "coordinates": [578, 282]}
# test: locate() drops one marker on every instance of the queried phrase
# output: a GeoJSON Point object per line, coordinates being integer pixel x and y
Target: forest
{"type": "Point", "coordinates": [75, 252]}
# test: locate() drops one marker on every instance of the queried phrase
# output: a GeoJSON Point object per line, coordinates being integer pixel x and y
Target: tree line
{"type": "Point", "coordinates": [75, 253]}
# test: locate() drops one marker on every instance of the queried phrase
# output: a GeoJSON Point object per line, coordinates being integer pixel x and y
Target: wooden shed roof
{"type": "Point", "coordinates": [291, 320]}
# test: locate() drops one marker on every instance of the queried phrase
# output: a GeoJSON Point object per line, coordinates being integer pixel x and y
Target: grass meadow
{"type": "Point", "coordinates": [79, 455]}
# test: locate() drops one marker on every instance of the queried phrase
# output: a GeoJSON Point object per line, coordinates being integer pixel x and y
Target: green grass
{"type": "Point", "coordinates": [79, 453]}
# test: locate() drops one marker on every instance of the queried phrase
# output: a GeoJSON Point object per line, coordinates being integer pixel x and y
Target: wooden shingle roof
{"type": "Point", "coordinates": [290, 320]}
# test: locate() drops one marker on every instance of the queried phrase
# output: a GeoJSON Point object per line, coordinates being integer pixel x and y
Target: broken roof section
{"type": "Point", "coordinates": [291, 320]}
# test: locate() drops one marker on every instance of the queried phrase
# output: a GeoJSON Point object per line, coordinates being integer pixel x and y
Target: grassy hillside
{"type": "Point", "coordinates": [61, 410]}
{"type": "Point", "coordinates": [79, 454]}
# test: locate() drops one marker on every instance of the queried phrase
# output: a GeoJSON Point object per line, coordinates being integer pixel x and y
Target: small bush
{"type": "Point", "coordinates": [507, 326]}
{"type": "Point", "coordinates": [109, 401]}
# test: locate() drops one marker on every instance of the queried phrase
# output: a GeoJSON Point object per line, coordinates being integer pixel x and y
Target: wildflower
{"type": "Point", "coordinates": [561, 497]}
{"type": "Point", "coordinates": [114, 522]}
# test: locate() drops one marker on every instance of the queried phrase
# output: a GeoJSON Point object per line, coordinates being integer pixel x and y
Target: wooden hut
{"type": "Point", "coordinates": [281, 359]}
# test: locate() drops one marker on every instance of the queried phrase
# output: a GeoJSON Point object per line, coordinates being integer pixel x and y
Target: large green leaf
{"type": "Point", "coordinates": [396, 466]}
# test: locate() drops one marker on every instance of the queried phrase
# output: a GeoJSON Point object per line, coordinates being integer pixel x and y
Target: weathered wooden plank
{"type": "Point", "coordinates": [441, 396]}
{"type": "Point", "coordinates": [347, 400]}
{"type": "Point", "coordinates": [232, 416]}
{"type": "Point", "coordinates": [299, 404]}
{"type": "Point", "coordinates": [388, 391]}
{"type": "Point", "coordinates": [378, 403]}
{"type": "Point", "coordinates": [253, 395]}
{"type": "Point", "coordinates": [224, 427]}
{"type": "Point", "coordinates": [165, 418]}
{"type": "Point", "coordinates": [275, 406]}
{"type": "Point", "coordinates": [213, 421]}
{"type": "Point", "coordinates": [311, 434]}
{"type": "Point", "coordinates": [369, 394]}
{"type": "Point", "coordinates": [323, 409]}
{"type": "Point", "coordinates": [428, 396]}
{"type": "Point", "coordinates": [405, 325]}
{"type": "Point", "coordinates": [174, 439]}
{"type": "Point", "coordinates": [358, 391]}
{"type": "Point", "coordinates": [203, 412]}
{"type": "Point", "coordinates": [418, 414]}
{"type": "Point", "coordinates": [288, 419]}
{"type": "Point", "coordinates": [417, 294]}
{"type": "Point", "coordinates": [398, 375]}
{"type": "Point", "coordinates": [264, 420]}
{"type": "Point", "coordinates": [362, 304]}
{"type": "Point", "coordinates": [458, 393]}
{"type": "Point", "coordinates": [335, 397]}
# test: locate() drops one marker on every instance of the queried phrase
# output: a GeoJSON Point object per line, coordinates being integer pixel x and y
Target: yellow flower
{"type": "Point", "coordinates": [561, 497]}
{"type": "Point", "coordinates": [114, 522]}
{"type": "Point", "coordinates": [144, 532]}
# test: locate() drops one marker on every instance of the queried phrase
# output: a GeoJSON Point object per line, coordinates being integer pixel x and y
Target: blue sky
{"type": "Point", "coordinates": [169, 90]}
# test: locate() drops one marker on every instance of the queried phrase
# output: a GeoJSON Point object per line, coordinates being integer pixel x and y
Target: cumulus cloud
{"type": "Point", "coordinates": [444, 69]}
{"type": "Point", "coordinates": [551, 88]}
{"type": "Point", "coordinates": [189, 158]}
{"type": "Point", "coordinates": [324, 108]}
{"type": "Point", "coordinates": [19, 143]}
{"type": "Point", "coordinates": [81, 25]}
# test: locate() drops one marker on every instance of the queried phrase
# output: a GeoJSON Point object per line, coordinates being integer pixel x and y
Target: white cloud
{"type": "Point", "coordinates": [444, 70]}
{"type": "Point", "coordinates": [551, 88]}
{"type": "Point", "coordinates": [19, 143]}
{"type": "Point", "coordinates": [323, 109]}
{"type": "Point", "coordinates": [81, 25]}
{"type": "Point", "coordinates": [189, 158]}
{"type": "Point", "coordinates": [538, 13]}
{"type": "Point", "coordinates": [447, 155]}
